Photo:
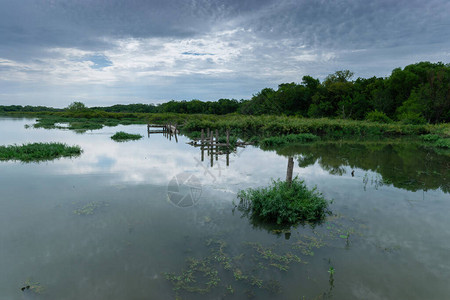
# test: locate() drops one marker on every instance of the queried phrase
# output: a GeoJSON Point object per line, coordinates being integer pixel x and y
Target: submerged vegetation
{"type": "Point", "coordinates": [90, 208]}
{"type": "Point", "coordinates": [33, 286]}
{"type": "Point", "coordinates": [285, 203]}
{"type": "Point", "coordinates": [123, 136]}
{"type": "Point", "coordinates": [38, 152]}
{"type": "Point", "coordinates": [251, 267]}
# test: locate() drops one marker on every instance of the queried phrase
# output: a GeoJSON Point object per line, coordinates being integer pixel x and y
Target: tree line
{"type": "Point", "coordinates": [416, 94]}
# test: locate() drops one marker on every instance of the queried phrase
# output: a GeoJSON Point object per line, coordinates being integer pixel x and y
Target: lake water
{"type": "Point", "coordinates": [149, 219]}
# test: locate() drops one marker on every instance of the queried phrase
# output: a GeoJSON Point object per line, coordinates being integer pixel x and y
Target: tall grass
{"type": "Point", "coordinates": [38, 152]}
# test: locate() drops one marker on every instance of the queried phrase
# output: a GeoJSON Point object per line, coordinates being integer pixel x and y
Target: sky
{"type": "Point", "coordinates": [104, 52]}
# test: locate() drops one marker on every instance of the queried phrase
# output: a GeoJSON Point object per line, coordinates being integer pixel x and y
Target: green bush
{"type": "Point", "coordinates": [284, 203]}
{"type": "Point", "coordinates": [123, 136]}
{"type": "Point", "coordinates": [412, 118]}
{"type": "Point", "coordinates": [378, 116]}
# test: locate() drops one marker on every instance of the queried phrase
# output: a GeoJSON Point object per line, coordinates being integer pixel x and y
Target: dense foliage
{"type": "Point", "coordinates": [416, 94]}
{"type": "Point", "coordinates": [38, 151]}
{"type": "Point", "coordinates": [285, 203]}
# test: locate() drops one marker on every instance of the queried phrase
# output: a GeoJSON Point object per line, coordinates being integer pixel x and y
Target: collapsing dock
{"type": "Point", "coordinates": [214, 147]}
{"type": "Point", "coordinates": [168, 130]}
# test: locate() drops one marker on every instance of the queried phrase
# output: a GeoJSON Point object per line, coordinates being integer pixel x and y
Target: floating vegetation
{"type": "Point", "coordinates": [273, 259]}
{"type": "Point", "coordinates": [224, 271]}
{"type": "Point", "coordinates": [284, 203]}
{"type": "Point", "coordinates": [307, 243]}
{"type": "Point", "coordinates": [123, 136]}
{"type": "Point", "coordinates": [38, 152]}
{"type": "Point", "coordinates": [35, 287]}
{"type": "Point", "coordinates": [90, 208]}
{"type": "Point", "coordinates": [202, 275]}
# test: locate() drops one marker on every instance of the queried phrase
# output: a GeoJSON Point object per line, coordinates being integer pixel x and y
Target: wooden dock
{"type": "Point", "coordinates": [168, 130]}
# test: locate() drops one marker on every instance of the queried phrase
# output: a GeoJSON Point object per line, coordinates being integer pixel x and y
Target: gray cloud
{"type": "Point", "coordinates": [153, 50]}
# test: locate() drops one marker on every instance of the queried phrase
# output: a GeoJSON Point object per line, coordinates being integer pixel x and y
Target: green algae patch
{"type": "Point", "coordinates": [123, 136]}
{"type": "Point", "coordinates": [38, 152]}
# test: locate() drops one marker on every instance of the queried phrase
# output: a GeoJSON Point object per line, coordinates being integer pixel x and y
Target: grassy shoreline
{"type": "Point", "coordinates": [240, 125]}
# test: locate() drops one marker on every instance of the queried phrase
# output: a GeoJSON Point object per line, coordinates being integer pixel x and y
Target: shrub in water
{"type": "Point", "coordinates": [284, 203]}
{"type": "Point", "coordinates": [123, 136]}
{"type": "Point", "coordinates": [38, 151]}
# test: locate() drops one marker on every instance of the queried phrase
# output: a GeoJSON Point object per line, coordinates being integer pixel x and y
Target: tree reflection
{"type": "Point", "coordinates": [404, 165]}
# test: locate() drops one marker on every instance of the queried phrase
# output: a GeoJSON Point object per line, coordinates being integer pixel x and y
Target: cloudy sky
{"type": "Point", "coordinates": [103, 52]}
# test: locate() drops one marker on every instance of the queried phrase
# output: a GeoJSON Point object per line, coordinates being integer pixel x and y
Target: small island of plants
{"type": "Point", "coordinates": [123, 136]}
{"type": "Point", "coordinates": [285, 203]}
{"type": "Point", "coordinates": [38, 151]}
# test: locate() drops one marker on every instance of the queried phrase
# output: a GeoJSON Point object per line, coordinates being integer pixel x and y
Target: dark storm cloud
{"type": "Point", "coordinates": [350, 23]}
{"type": "Point", "coordinates": [84, 23]}
{"type": "Point", "coordinates": [323, 24]}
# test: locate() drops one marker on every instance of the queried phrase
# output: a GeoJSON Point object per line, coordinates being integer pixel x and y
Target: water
{"type": "Point", "coordinates": [112, 223]}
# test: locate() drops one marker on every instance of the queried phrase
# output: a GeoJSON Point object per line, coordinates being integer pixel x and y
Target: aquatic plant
{"type": "Point", "coordinates": [33, 286]}
{"type": "Point", "coordinates": [284, 203]}
{"type": "Point", "coordinates": [202, 275]}
{"type": "Point", "coordinates": [255, 267]}
{"type": "Point", "coordinates": [123, 136]}
{"type": "Point", "coordinates": [90, 208]}
{"type": "Point", "coordinates": [38, 151]}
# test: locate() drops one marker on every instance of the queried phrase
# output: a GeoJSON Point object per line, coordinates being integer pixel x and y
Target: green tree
{"type": "Point", "coordinates": [76, 106]}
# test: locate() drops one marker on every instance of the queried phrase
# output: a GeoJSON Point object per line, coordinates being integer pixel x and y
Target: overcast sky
{"type": "Point", "coordinates": [103, 52]}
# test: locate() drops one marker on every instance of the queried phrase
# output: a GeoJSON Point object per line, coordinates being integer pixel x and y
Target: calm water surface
{"type": "Point", "coordinates": [115, 222]}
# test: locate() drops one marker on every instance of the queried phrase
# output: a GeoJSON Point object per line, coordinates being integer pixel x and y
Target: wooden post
{"type": "Point", "coordinates": [228, 158]}
{"type": "Point", "coordinates": [290, 169]}
{"type": "Point", "coordinates": [207, 133]}
{"type": "Point", "coordinates": [202, 136]}
{"type": "Point", "coordinates": [211, 149]}
{"type": "Point", "coordinates": [175, 129]}
{"type": "Point", "coordinates": [170, 131]}
{"type": "Point", "coordinates": [217, 144]}
{"type": "Point", "coordinates": [202, 144]}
